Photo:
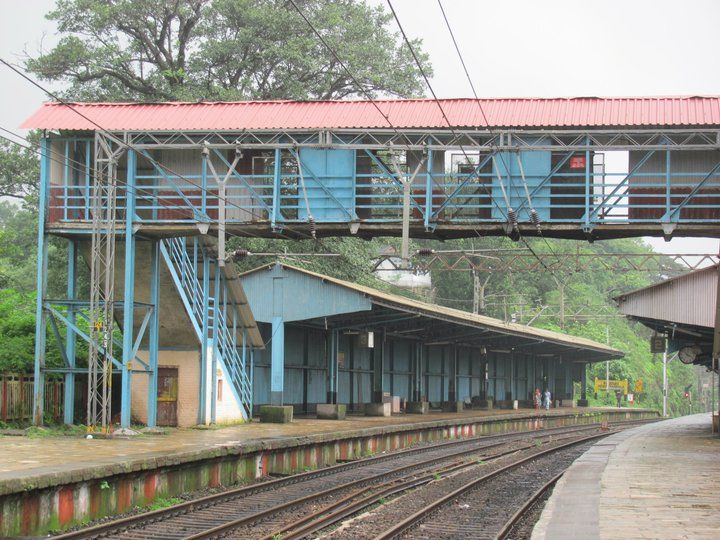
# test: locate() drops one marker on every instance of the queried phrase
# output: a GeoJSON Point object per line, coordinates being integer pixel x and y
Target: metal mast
{"type": "Point", "coordinates": [102, 284]}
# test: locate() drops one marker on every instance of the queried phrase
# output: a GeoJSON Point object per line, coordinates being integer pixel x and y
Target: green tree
{"type": "Point", "coordinates": [19, 170]}
{"type": "Point", "coordinates": [224, 50]}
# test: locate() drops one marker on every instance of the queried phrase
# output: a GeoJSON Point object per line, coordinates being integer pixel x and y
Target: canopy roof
{"type": "Point", "coordinates": [484, 325]}
{"type": "Point", "coordinates": [578, 112]}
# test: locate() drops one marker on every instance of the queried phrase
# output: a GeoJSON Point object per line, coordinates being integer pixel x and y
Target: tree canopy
{"type": "Point", "coordinates": [160, 50]}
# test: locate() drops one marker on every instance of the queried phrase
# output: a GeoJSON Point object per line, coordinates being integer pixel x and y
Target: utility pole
{"type": "Point", "coordinates": [562, 304]}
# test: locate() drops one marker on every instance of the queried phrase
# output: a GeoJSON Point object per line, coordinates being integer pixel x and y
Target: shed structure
{"type": "Point", "coordinates": [683, 308]}
{"type": "Point", "coordinates": [332, 341]}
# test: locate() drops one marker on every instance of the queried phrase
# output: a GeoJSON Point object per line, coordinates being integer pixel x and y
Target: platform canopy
{"type": "Point", "coordinates": [631, 112]}
{"type": "Point", "coordinates": [321, 300]}
{"type": "Point", "coordinates": [683, 308]}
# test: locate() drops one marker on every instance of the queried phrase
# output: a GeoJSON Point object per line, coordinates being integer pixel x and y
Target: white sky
{"type": "Point", "coordinates": [511, 47]}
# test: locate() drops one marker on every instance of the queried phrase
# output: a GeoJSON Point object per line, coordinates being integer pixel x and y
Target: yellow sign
{"type": "Point", "coordinates": [638, 386]}
{"type": "Point", "coordinates": [603, 384]}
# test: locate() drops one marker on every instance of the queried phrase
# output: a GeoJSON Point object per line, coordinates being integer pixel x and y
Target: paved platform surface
{"type": "Point", "coordinates": [655, 481]}
{"type": "Point", "coordinates": [23, 458]}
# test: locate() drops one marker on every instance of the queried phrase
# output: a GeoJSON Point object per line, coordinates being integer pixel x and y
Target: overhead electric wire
{"type": "Point", "coordinates": [482, 112]}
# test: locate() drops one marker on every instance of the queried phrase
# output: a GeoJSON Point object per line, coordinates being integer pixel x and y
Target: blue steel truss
{"type": "Point", "coordinates": [292, 178]}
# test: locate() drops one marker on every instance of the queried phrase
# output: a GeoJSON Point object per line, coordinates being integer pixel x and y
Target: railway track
{"type": "Point", "coordinates": [478, 506]}
{"type": "Point", "coordinates": [298, 505]}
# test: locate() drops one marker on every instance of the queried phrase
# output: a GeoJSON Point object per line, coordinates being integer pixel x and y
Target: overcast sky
{"type": "Point", "coordinates": [511, 47]}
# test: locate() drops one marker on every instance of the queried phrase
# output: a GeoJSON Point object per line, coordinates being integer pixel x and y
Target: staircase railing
{"type": "Point", "coordinates": [226, 334]}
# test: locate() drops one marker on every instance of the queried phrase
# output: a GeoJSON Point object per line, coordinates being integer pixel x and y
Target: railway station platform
{"type": "Point", "coordinates": [51, 483]}
{"type": "Point", "coordinates": [654, 481]}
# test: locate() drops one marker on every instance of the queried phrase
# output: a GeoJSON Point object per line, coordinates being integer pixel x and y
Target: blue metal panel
{"type": "Point", "coordinates": [536, 166]}
{"type": "Point", "coordinates": [330, 182]}
{"type": "Point", "coordinates": [304, 297]}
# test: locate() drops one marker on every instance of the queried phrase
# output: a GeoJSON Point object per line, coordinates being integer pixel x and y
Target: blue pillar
{"type": "Point", "coordinates": [202, 401]}
{"type": "Point", "coordinates": [276, 189]}
{"type": "Point", "coordinates": [428, 189]}
{"type": "Point", "coordinates": [217, 306]}
{"type": "Point", "coordinates": [587, 185]}
{"type": "Point", "coordinates": [154, 337]}
{"type": "Point", "coordinates": [41, 286]}
{"type": "Point", "coordinates": [129, 289]}
{"type": "Point", "coordinates": [69, 403]}
{"type": "Point", "coordinates": [277, 361]}
{"type": "Point", "coordinates": [333, 344]}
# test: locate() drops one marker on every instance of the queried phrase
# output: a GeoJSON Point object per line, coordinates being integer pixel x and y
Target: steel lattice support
{"type": "Point", "coordinates": [102, 282]}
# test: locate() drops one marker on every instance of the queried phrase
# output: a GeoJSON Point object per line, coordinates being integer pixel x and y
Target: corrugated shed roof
{"type": "Point", "coordinates": [688, 299]}
{"type": "Point", "coordinates": [593, 112]}
{"type": "Point", "coordinates": [460, 316]}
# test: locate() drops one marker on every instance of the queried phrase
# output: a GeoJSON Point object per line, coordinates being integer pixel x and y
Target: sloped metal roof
{"type": "Point", "coordinates": [456, 315]}
{"type": "Point", "coordinates": [688, 299]}
{"type": "Point", "coordinates": [677, 111]}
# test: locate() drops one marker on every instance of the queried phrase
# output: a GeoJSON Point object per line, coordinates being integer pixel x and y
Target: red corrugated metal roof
{"type": "Point", "coordinates": [403, 114]}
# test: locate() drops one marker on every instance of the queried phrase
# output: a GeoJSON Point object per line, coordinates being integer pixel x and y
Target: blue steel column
{"type": "Point", "coordinates": [668, 179]}
{"type": "Point", "coordinates": [202, 401]}
{"type": "Point", "coordinates": [428, 189]}
{"type": "Point", "coordinates": [276, 190]}
{"type": "Point", "coordinates": [333, 345]}
{"type": "Point", "coordinates": [154, 338]}
{"type": "Point", "coordinates": [587, 186]}
{"type": "Point", "coordinates": [277, 361]}
{"type": "Point", "coordinates": [41, 286]}
{"type": "Point", "coordinates": [216, 332]}
{"type": "Point", "coordinates": [69, 403]}
{"type": "Point", "coordinates": [129, 289]}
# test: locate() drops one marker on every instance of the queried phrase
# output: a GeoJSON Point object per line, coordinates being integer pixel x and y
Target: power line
{"type": "Point", "coordinates": [482, 112]}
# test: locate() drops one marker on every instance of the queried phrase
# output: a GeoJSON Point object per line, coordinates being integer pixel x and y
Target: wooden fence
{"type": "Point", "coordinates": [16, 397]}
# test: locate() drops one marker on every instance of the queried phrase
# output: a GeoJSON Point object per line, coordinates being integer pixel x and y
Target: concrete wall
{"type": "Point", "coordinates": [188, 364]}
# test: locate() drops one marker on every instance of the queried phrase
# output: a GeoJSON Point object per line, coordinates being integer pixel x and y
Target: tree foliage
{"type": "Point", "coordinates": [159, 50]}
{"type": "Point", "coordinates": [19, 170]}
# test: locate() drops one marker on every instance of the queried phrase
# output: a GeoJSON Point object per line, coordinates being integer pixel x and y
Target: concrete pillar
{"type": "Point", "coordinates": [583, 382]}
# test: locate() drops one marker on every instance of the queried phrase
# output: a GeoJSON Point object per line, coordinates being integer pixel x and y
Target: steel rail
{"type": "Point", "coordinates": [523, 510]}
{"type": "Point", "coordinates": [422, 514]}
{"type": "Point", "coordinates": [139, 520]}
{"type": "Point", "coordinates": [327, 515]}
{"type": "Point", "coordinates": [225, 528]}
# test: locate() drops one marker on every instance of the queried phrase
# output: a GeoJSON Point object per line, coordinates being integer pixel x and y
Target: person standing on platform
{"type": "Point", "coordinates": [546, 399]}
{"type": "Point", "coordinates": [618, 397]}
{"type": "Point", "coordinates": [537, 398]}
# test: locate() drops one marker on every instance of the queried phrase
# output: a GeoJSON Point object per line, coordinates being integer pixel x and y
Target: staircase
{"type": "Point", "coordinates": [184, 257]}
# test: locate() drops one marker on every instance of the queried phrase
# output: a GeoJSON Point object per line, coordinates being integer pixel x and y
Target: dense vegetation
{"type": "Point", "coordinates": [242, 49]}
